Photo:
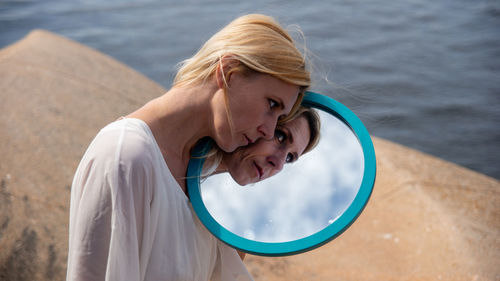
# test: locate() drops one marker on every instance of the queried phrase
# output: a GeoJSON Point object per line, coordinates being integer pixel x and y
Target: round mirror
{"type": "Point", "coordinates": [308, 203]}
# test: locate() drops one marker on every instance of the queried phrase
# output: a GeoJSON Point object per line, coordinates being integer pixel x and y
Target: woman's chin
{"type": "Point", "coordinates": [243, 182]}
{"type": "Point", "coordinates": [227, 147]}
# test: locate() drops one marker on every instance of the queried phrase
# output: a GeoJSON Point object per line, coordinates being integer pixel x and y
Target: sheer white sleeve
{"type": "Point", "coordinates": [110, 210]}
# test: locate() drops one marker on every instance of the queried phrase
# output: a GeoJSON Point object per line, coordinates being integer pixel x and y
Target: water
{"type": "Point", "coordinates": [423, 73]}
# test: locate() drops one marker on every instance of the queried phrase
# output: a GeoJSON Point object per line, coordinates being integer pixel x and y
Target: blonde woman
{"type": "Point", "coordinates": [130, 218]}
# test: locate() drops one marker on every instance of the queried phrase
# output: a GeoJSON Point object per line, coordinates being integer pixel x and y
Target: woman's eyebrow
{"type": "Point", "coordinates": [290, 135]}
{"type": "Point", "coordinates": [281, 106]}
{"type": "Point", "coordinates": [290, 140]}
{"type": "Point", "coordinates": [281, 103]}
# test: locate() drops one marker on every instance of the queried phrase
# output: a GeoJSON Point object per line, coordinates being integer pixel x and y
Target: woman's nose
{"type": "Point", "coordinates": [267, 128]}
{"type": "Point", "coordinates": [276, 161]}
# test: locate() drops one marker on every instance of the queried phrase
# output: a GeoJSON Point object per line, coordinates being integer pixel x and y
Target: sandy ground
{"type": "Point", "coordinates": [427, 219]}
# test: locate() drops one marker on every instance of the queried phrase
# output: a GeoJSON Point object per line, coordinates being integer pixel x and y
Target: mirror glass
{"type": "Point", "coordinates": [303, 199]}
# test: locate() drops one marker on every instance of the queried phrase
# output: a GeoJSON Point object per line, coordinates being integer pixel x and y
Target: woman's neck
{"type": "Point", "coordinates": [178, 119]}
{"type": "Point", "coordinates": [221, 168]}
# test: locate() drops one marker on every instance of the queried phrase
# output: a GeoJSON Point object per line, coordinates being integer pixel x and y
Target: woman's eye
{"type": "Point", "coordinates": [272, 103]}
{"type": "Point", "coordinates": [289, 158]}
{"type": "Point", "coordinates": [280, 135]}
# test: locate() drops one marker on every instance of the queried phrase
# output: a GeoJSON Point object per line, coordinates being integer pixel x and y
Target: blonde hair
{"type": "Point", "coordinates": [259, 43]}
{"type": "Point", "coordinates": [314, 122]}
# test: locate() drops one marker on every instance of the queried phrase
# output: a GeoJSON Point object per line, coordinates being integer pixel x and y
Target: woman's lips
{"type": "Point", "coordinates": [249, 141]}
{"type": "Point", "coordinates": [259, 170]}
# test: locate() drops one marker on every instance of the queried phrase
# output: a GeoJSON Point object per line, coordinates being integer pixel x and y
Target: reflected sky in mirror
{"type": "Point", "coordinates": [302, 199]}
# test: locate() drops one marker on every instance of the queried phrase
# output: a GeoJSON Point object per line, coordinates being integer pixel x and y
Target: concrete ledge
{"type": "Point", "coordinates": [427, 219]}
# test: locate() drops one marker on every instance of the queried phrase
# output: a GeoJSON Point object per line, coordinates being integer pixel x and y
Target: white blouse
{"type": "Point", "coordinates": [130, 220]}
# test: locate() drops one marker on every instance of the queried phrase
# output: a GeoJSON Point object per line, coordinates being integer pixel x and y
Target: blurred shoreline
{"type": "Point", "coordinates": [423, 74]}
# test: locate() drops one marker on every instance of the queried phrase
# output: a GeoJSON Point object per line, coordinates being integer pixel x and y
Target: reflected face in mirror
{"type": "Point", "coordinates": [266, 158]}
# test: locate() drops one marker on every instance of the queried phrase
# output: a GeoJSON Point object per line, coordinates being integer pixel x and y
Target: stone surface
{"type": "Point", "coordinates": [427, 219]}
{"type": "Point", "coordinates": [55, 94]}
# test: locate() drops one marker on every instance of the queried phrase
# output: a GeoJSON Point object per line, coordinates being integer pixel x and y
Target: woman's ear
{"type": "Point", "coordinates": [226, 66]}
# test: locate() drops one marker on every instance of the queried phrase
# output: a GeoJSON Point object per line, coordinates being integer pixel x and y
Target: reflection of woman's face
{"type": "Point", "coordinates": [265, 158]}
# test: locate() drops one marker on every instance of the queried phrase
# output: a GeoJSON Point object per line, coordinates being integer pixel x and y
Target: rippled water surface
{"type": "Point", "coordinates": [418, 72]}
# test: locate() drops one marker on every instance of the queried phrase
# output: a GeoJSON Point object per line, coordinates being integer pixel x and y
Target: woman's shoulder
{"type": "Point", "coordinates": [130, 126]}
{"type": "Point", "coordinates": [127, 139]}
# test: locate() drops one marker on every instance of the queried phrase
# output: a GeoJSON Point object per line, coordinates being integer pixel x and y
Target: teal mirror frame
{"type": "Point", "coordinates": [325, 235]}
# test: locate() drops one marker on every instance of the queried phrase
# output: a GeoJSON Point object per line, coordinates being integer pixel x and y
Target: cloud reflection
{"type": "Point", "coordinates": [301, 200]}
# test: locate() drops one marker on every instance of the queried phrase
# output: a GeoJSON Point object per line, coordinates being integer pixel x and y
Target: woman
{"type": "Point", "coordinates": [266, 158]}
{"type": "Point", "coordinates": [129, 217]}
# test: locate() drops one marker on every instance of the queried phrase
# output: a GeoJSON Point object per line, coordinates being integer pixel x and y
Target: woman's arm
{"type": "Point", "coordinates": [109, 204]}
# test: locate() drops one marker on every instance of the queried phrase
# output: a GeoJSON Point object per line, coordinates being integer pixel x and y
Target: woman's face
{"type": "Point", "coordinates": [255, 103]}
{"type": "Point", "coordinates": [266, 158]}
